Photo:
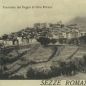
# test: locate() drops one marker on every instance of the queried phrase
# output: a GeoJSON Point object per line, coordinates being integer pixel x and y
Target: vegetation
{"type": "Point", "coordinates": [43, 41]}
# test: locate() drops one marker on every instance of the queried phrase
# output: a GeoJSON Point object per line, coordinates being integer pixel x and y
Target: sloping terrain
{"type": "Point", "coordinates": [35, 61]}
{"type": "Point", "coordinates": [18, 60]}
{"type": "Point", "coordinates": [78, 76]}
{"type": "Point", "coordinates": [65, 52]}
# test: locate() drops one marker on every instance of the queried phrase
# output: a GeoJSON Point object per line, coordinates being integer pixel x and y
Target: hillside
{"type": "Point", "coordinates": [35, 61]}
{"type": "Point", "coordinates": [18, 60]}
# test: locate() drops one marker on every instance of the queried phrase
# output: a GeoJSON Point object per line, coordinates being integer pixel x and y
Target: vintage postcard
{"type": "Point", "coordinates": [43, 42]}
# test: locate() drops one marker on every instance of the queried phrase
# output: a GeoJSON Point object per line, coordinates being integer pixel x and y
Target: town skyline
{"type": "Point", "coordinates": [13, 20]}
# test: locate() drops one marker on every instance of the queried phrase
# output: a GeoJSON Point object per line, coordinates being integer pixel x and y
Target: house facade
{"type": "Point", "coordinates": [65, 32]}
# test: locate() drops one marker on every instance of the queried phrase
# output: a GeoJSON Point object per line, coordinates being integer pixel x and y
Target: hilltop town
{"type": "Point", "coordinates": [43, 51]}
{"type": "Point", "coordinates": [61, 33]}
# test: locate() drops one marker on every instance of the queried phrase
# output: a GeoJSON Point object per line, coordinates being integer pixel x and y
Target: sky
{"type": "Point", "coordinates": [12, 20]}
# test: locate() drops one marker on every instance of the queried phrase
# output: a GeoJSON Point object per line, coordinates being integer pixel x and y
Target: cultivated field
{"type": "Point", "coordinates": [35, 61]}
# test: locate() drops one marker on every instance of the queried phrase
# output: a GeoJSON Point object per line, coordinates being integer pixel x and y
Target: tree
{"type": "Point", "coordinates": [44, 41]}
{"type": "Point", "coordinates": [4, 38]}
{"type": "Point", "coordinates": [53, 41]}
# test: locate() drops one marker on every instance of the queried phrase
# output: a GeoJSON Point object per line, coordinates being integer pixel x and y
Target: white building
{"type": "Point", "coordinates": [82, 33]}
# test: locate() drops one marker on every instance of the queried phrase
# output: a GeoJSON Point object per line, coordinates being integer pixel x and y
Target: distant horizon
{"type": "Point", "coordinates": [13, 20]}
{"type": "Point", "coordinates": [31, 25]}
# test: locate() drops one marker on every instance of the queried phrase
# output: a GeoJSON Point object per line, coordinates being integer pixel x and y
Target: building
{"type": "Point", "coordinates": [62, 31]}
{"type": "Point", "coordinates": [82, 33]}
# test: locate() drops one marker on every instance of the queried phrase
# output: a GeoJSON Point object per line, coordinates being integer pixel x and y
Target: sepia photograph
{"type": "Point", "coordinates": [43, 40]}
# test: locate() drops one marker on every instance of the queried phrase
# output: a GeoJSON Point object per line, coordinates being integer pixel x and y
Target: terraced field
{"type": "Point", "coordinates": [65, 52]}
{"type": "Point", "coordinates": [39, 62]}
